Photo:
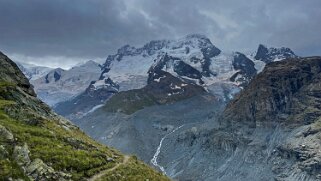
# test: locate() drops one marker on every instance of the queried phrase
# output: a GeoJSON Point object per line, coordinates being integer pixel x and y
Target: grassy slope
{"type": "Point", "coordinates": [130, 101]}
{"type": "Point", "coordinates": [59, 144]}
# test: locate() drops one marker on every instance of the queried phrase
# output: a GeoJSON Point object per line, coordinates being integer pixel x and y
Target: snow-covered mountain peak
{"type": "Point", "coordinates": [89, 63]}
{"type": "Point", "coordinates": [126, 50]}
{"type": "Point", "coordinates": [195, 36]}
{"type": "Point", "coordinates": [272, 54]}
{"type": "Point", "coordinates": [194, 40]}
{"type": "Point", "coordinates": [59, 85]}
{"type": "Point", "coordinates": [131, 64]}
{"type": "Point", "coordinates": [31, 71]}
{"type": "Point", "coordinates": [156, 46]}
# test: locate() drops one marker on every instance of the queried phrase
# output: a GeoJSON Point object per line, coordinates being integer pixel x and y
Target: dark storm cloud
{"type": "Point", "coordinates": [71, 30]}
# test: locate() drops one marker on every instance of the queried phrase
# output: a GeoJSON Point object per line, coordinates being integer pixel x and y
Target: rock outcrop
{"type": "Point", "coordinates": [10, 72]}
{"type": "Point", "coordinates": [6, 134]}
{"type": "Point", "coordinates": [245, 67]}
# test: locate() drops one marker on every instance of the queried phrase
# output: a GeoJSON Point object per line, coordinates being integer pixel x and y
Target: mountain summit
{"type": "Point", "coordinates": [60, 85]}
{"type": "Point", "coordinates": [268, 55]}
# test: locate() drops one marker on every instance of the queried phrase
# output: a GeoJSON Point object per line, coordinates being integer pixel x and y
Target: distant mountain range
{"type": "Point", "coordinates": [33, 72]}
{"type": "Point", "coordinates": [57, 85]}
{"type": "Point", "coordinates": [169, 69]}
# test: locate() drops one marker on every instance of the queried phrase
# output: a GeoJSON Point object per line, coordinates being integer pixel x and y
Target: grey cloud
{"type": "Point", "coordinates": [93, 29]}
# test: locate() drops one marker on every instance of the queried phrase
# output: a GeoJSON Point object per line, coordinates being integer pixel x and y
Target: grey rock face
{"type": "Point", "coordinates": [10, 72]}
{"type": "Point", "coordinates": [81, 104]}
{"type": "Point", "coordinates": [184, 69]}
{"type": "Point", "coordinates": [167, 62]}
{"type": "Point", "coordinates": [3, 152]}
{"type": "Point", "coordinates": [21, 155]}
{"type": "Point", "coordinates": [245, 67]}
{"type": "Point", "coordinates": [38, 170]}
{"type": "Point", "coordinates": [54, 75]}
{"type": "Point", "coordinates": [7, 135]}
{"type": "Point", "coordinates": [284, 88]}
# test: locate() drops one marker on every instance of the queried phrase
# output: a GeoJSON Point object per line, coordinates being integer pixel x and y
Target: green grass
{"type": "Point", "coordinates": [49, 142]}
{"type": "Point", "coordinates": [4, 103]}
{"type": "Point", "coordinates": [6, 84]}
{"type": "Point", "coordinates": [9, 168]}
{"type": "Point", "coordinates": [129, 102]}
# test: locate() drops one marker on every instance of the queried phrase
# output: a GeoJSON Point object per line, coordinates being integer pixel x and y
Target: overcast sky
{"type": "Point", "coordinates": [65, 32]}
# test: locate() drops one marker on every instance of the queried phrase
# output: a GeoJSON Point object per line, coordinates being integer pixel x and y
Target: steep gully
{"type": "Point", "coordinates": [154, 159]}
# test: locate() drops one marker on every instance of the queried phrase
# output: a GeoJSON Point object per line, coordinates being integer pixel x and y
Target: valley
{"type": "Point", "coordinates": [160, 90]}
{"type": "Point", "coordinates": [194, 112]}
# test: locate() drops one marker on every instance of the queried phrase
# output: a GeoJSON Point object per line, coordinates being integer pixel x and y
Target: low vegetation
{"type": "Point", "coordinates": [129, 102]}
{"type": "Point", "coordinates": [134, 170]}
{"type": "Point", "coordinates": [63, 149]}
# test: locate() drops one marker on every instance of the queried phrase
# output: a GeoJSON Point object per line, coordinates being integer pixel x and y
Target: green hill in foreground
{"type": "Point", "coordinates": [37, 144]}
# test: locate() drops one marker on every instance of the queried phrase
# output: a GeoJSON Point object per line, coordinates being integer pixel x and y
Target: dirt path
{"type": "Point", "coordinates": [104, 172]}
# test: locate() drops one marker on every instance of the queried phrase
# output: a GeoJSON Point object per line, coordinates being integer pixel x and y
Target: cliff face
{"type": "Point", "coordinates": [277, 119]}
{"type": "Point", "coordinates": [37, 144]}
{"type": "Point", "coordinates": [286, 92]}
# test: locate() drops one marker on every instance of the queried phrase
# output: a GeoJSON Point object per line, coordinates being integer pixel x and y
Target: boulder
{"type": "Point", "coordinates": [6, 134]}
{"type": "Point", "coordinates": [21, 155]}
{"type": "Point", "coordinates": [39, 170]}
{"type": "Point", "coordinates": [3, 152]}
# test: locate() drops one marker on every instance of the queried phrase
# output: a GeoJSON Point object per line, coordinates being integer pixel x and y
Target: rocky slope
{"type": "Point", "coordinates": [288, 88]}
{"type": "Point", "coordinates": [88, 101]}
{"type": "Point", "coordinates": [140, 133]}
{"type": "Point", "coordinates": [37, 144]}
{"type": "Point", "coordinates": [60, 85]}
{"type": "Point", "coordinates": [270, 131]}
